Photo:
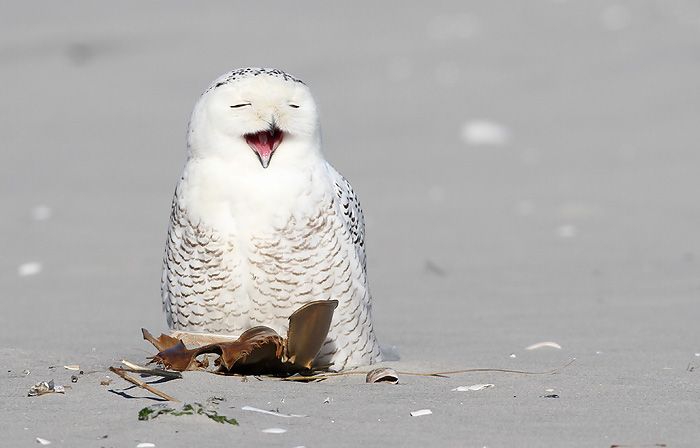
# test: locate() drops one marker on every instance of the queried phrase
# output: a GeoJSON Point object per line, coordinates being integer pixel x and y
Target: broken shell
{"type": "Point", "coordinates": [383, 375]}
{"type": "Point", "coordinates": [543, 344]}
{"type": "Point", "coordinates": [41, 388]}
{"type": "Point", "coordinates": [421, 412]}
{"type": "Point", "coordinates": [473, 388]}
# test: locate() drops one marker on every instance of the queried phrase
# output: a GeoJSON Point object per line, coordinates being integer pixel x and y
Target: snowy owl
{"type": "Point", "coordinates": [261, 223]}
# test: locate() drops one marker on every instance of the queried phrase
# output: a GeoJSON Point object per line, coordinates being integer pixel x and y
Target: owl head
{"type": "Point", "coordinates": [257, 118]}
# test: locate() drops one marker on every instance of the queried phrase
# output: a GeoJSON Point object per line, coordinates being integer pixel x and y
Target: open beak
{"type": "Point", "coordinates": [264, 143]}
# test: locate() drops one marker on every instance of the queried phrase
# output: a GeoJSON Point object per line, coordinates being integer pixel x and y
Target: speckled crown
{"type": "Point", "coordinates": [250, 72]}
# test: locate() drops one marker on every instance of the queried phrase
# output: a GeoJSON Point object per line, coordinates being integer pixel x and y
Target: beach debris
{"type": "Point", "coordinates": [567, 231]}
{"type": "Point", "coordinates": [146, 445]}
{"type": "Point", "coordinates": [27, 269]}
{"type": "Point", "coordinates": [106, 383]}
{"type": "Point", "coordinates": [421, 412]}
{"type": "Point", "coordinates": [74, 367]}
{"type": "Point", "coordinates": [43, 441]}
{"type": "Point", "coordinates": [275, 413]}
{"type": "Point", "coordinates": [543, 344]}
{"type": "Point", "coordinates": [151, 412]}
{"type": "Point", "coordinates": [327, 400]}
{"type": "Point", "coordinates": [41, 212]}
{"type": "Point", "coordinates": [484, 132]}
{"type": "Point", "coordinates": [122, 373]}
{"type": "Point", "coordinates": [43, 388]}
{"type": "Point", "coordinates": [382, 375]}
{"type": "Point", "coordinates": [74, 378]}
{"type": "Point", "coordinates": [639, 446]}
{"type": "Point", "coordinates": [513, 355]}
{"type": "Point", "coordinates": [274, 430]}
{"type": "Point", "coordinates": [549, 396]}
{"type": "Point", "coordinates": [215, 401]}
{"type": "Point", "coordinates": [258, 351]}
{"type": "Point", "coordinates": [134, 368]}
{"type": "Point", "coordinates": [433, 268]}
{"type": "Point", "coordinates": [474, 387]}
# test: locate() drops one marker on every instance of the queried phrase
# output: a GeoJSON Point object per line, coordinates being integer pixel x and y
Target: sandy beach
{"type": "Point", "coordinates": [528, 173]}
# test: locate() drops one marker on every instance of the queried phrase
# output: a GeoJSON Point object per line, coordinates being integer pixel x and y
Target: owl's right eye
{"type": "Point", "coordinates": [236, 106]}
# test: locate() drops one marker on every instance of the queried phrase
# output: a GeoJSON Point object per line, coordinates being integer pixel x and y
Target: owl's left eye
{"type": "Point", "coordinates": [295, 106]}
{"type": "Point", "coordinates": [236, 106]}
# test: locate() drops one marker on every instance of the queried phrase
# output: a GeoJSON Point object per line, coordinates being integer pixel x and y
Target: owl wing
{"type": "Point", "coordinates": [196, 283]}
{"type": "Point", "coordinates": [351, 212]}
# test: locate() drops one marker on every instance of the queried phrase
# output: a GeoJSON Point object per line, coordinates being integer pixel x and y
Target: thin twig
{"type": "Point", "coordinates": [549, 372]}
{"type": "Point", "coordinates": [435, 374]}
{"type": "Point", "coordinates": [140, 383]}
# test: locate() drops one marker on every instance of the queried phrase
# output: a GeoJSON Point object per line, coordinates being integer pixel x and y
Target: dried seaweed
{"type": "Point", "coordinates": [151, 412]}
{"type": "Point", "coordinates": [258, 351]}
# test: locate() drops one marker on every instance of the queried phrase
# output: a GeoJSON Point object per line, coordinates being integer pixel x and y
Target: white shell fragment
{"type": "Point", "coordinates": [484, 132]}
{"type": "Point", "coordinates": [567, 231]}
{"type": "Point", "coordinates": [274, 430]}
{"type": "Point", "coordinates": [44, 387]}
{"type": "Point", "coordinates": [146, 445]}
{"type": "Point", "coordinates": [543, 344]}
{"type": "Point", "coordinates": [75, 367]}
{"type": "Point", "coordinates": [421, 412]}
{"type": "Point", "coordinates": [41, 212]}
{"type": "Point", "coordinates": [278, 414]}
{"type": "Point", "coordinates": [473, 387]}
{"type": "Point", "coordinates": [28, 269]}
{"type": "Point", "coordinates": [43, 441]}
{"type": "Point", "coordinates": [382, 375]}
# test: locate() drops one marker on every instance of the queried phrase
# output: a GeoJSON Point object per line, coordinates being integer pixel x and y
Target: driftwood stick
{"type": "Point", "coordinates": [141, 384]}
{"type": "Point", "coordinates": [134, 368]}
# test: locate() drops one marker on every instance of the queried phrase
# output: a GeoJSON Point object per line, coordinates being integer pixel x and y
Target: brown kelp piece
{"type": "Point", "coordinates": [259, 350]}
{"type": "Point", "coordinates": [308, 329]}
{"type": "Point", "coordinates": [162, 343]}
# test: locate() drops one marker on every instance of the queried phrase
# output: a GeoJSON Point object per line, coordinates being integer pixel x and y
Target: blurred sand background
{"type": "Point", "coordinates": [529, 172]}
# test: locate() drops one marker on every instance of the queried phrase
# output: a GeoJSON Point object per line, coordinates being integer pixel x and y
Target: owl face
{"type": "Point", "coordinates": [254, 117]}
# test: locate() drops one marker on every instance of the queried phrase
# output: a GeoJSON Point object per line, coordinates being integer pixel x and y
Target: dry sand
{"type": "Point", "coordinates": [528, 170]}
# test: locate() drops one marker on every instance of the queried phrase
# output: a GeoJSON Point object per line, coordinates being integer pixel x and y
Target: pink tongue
{"type": "Point", "coordinates": [264, 144]}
